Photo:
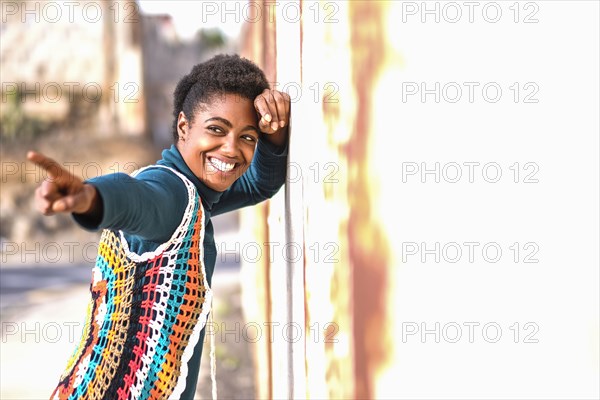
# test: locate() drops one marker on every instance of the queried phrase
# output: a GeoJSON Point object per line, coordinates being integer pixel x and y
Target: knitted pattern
{"type": "Point", "coordinates": [145, 316]}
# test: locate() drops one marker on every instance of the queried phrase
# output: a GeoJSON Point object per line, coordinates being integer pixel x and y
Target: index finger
{"type": "Point", "coordinates": [54, 169]}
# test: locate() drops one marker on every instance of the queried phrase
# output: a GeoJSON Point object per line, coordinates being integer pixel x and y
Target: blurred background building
{"type": "Point", "coordinates": [90, 84]}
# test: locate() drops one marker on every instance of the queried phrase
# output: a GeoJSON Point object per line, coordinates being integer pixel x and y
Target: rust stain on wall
{"type": "Point", "coordinates": [258, 45]}
{"type": "Point", "coordinates": [357, 281]}
{"type": "Point", "coordinates": [369, 252]}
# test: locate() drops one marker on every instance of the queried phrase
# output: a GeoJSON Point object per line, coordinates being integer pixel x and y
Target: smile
{"type": "Point", "coordinates": [220, 165]}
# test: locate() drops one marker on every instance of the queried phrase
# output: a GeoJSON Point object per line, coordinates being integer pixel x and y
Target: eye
{"type": "Point", "coordinates": [249, 138]}
{"type": "Point", "coordinates": [216, 129]}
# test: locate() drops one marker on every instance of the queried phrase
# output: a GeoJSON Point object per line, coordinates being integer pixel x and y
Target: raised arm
{"type": "Point", "coordinates": [267, 172]}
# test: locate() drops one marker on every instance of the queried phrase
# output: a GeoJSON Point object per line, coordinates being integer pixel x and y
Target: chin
{"type": "Point", "coordinates": [220, 182]}
{"type": "Point", "coordinates": [218, 186]}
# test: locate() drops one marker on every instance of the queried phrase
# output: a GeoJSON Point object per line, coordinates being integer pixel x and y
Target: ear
{"type": "Point", "coordinates": [182, 126]}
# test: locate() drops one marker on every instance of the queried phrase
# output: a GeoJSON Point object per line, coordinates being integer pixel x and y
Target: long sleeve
{"type": "Point", "coordinates": [261, 181]}
{"type": "Point", "coordinates": [150, 205]}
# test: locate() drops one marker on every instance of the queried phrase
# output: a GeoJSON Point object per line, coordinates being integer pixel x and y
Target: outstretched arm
{"type": "Point", "coordinates": [150, 205]}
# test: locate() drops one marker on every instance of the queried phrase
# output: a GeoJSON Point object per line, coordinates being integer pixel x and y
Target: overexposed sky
{"type": "Point", "coordinates": [190, 16]}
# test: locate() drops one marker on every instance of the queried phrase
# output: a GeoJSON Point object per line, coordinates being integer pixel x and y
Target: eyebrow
{"type": "Point", "coordinates": [229, 125]}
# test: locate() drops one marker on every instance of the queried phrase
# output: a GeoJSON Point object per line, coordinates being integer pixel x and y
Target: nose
{"type": "Point", "coordinates": [229, 147]}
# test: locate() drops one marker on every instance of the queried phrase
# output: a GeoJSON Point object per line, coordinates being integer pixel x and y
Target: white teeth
{"type": "Point", "coordinates": [220, 165]}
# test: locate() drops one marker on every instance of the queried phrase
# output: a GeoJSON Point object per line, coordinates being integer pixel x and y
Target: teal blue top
{"type": "Point", "coordinates": [148, 208]}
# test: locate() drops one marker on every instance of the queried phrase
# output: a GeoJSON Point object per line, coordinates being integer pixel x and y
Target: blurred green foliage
{"type": "Point", "coordinates": [14, 123]}
{"type": "Point", "coordinates": [212, 37]}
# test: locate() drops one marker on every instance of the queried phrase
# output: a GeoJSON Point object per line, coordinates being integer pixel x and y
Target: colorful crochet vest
{"type": "Point", "coordinates": [145, 315]}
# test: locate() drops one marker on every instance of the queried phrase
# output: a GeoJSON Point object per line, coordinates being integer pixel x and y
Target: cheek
{"type": "Point", "coordinates": [249, 153]}
{"type": "Point", "coordinates": [199, 145]}
{"type": "Point", "coordinates": [201, 142]}
{"type": "Point", "coordinates": [193, 155]}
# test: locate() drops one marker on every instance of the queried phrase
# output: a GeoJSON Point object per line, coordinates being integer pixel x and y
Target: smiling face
{"type": "Point", "coordinates": [219, 144]}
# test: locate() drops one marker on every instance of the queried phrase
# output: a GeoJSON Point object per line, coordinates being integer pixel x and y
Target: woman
{"type": "Point", "coordinates": [151, 282]}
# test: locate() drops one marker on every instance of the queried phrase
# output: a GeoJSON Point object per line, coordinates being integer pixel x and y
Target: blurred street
{"type": "Point", "coordinates": [23, 288]}
{"type": "Point", "coordinates": [43, 310]}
